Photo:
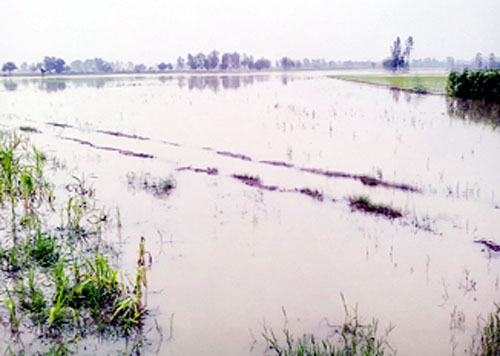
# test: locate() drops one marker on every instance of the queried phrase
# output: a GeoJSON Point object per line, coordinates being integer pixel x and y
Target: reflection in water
{"type": "Point", "coordinates": [214, 83]}
{"type": "Point", "coordinates": [52, 86]}
{"type": "Point", "coordinates": [165, 79]}
{"type": "Point", "coordinates": [407, 95]}
{"type": "Point", "coordinates": [10, 85]}
{"type": "Point", "coordinates": [474, 111]}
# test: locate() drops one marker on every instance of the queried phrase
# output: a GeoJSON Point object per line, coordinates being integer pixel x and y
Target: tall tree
{"type": "Point", "coordinates": [408, 48]}
{"type": "Point", "coordinates": [9, 67]}
{"type": "Point", "coordinates": [399, 59]}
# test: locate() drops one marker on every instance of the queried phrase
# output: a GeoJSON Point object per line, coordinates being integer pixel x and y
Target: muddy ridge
{"type": "Point", "coordinates": [209, 170]}
{"type": "Point", "coordinates": [254, 182]}
{"type": "Point", "coordinates": [364, 179]}
{"type": "Point", "coordinates": [106, 148]}
{"type": "Point", "coordinates": [234, 155]}
{"type": "Point", "coordinates": [56, 124]}
{"type": "Point", "coordinates": [120, 134]}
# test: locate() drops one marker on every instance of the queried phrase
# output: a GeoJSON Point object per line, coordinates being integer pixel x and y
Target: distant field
{"type": "Point", "coordinates": [433, 84]}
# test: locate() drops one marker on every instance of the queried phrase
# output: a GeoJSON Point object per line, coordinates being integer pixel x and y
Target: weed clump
{"type": "Point", "coordinates": [363, 203]}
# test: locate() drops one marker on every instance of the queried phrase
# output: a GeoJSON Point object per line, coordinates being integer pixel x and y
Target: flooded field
{"type": "Point", "coordinates": [261, 218]}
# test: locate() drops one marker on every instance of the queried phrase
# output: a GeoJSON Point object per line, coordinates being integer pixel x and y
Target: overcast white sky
{"type": "Point", "coordinates": [152, 31]}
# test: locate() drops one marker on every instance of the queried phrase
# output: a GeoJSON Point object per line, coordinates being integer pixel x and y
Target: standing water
{"type": "Point", "coordinates": [259, 231]}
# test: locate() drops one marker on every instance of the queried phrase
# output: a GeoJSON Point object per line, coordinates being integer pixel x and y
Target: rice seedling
{"type": "Point", "coordinates": [15, 320]}
{"type": "Point", "coordinates": [34, 300]}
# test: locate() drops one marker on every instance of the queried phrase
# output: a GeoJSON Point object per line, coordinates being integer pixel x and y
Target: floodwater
{"type": "Point", "coordinates": [231, 254]}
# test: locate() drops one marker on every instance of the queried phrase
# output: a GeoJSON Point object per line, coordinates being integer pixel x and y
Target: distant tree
{"type": "Point", "coordinates": [139, 68]}
{"type": "Point", "coordinates": [191, 62]}
{"type": "Point", "coordinates": [77, 66]}
{"type": "Point", "coordinates": [287, 63]}
{"type": "Point", "coordinates": [162, 66]}
{"type": "Point", "coordinates": [180, 63]}
{"type": "Point", "coordinates": [213, 60]}
{"type": "Point", "coordinates": [408, 48]}
{"type": "Point", "coordinates": [230, 61]}
{"type": "Point", "coordinates": [102, 66]}
{"type": "Point", "coordinates": [225, 62]}
{"type": "Point", "coordinates": [235, 60]}
{"type": "Point", "coordinates": [478, 61]}
{"type": "Point", "coordinates": [492, 62]}
{"type": "Point", "coordinates": [9, 67]}
{"type": "Point", "coordinates": [400, 59]}
{"type": "Point", "coordinates": [53, 64]}
{"type": "Point", "coordinates": [247, 62]}
{"type": "Point", "coordinates": [262, 64]}
{"type": "Point", "coordinates": [199, 61]}
{"type": "Point", "coordinates": [450, 62]}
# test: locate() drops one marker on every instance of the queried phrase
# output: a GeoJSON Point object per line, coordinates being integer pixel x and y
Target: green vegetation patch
{"type": "Point", "coordinates": [424, 84]}
{"type": "Point", "coordinates": [476, 85]}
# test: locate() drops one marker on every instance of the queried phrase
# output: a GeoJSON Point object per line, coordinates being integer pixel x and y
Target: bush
{"type": "Point", "coordinates": [476, 85]}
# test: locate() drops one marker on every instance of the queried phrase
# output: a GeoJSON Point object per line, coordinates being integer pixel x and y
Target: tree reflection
{"type": "Point", "coordinates": [214, 83]}
{"type": "Point", "coordinates": [10, 85]}
{"type": "Point", "coordinates": [475, 111]}
{"type": "Point", "coordinates": [52, 86]}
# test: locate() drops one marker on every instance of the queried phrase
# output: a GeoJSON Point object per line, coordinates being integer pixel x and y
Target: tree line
{"type": "Point", "coordinates": [212, 61]}
{"type": "Point", "coordinates": [233, 61]}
